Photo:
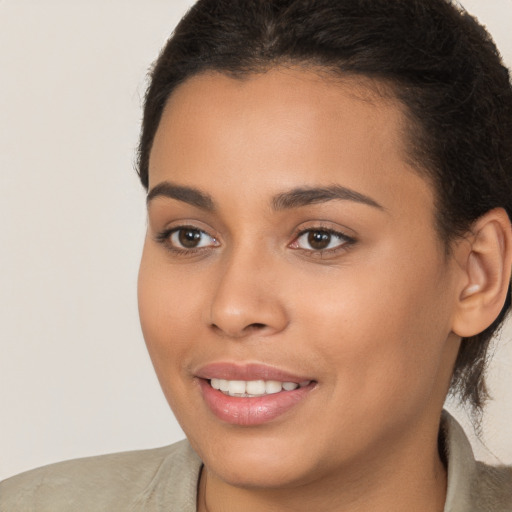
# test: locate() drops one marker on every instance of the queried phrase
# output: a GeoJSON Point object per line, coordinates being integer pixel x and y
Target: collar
{"type": "Point", "coordinates": [461, 465]}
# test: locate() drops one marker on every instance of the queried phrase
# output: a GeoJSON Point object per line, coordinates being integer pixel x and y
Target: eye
{"type": "Point", "coordinates": [186, 238]}
{"type": "Point", "coordinates": [189, 238]}
{"type": "Point", "coordinates": [320, 240]}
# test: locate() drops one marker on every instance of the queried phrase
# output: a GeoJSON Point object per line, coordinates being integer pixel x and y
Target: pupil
{"type": "Point", "coordinates": [319, 239]}
{"type": "Point", "coordinates": [189, 238]}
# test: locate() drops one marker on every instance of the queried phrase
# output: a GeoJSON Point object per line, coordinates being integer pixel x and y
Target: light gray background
{"type": "Point", "coordinates": [75, 379]}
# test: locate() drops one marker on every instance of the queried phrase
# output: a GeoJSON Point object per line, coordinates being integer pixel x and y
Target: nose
{"type": "Point", "coordinates": [246, 300]}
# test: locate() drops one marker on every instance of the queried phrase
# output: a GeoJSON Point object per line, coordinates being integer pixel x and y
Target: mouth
{"type": "Point", "coordinates": [251, 395]}
{"type": "Point", "coordinates": [254, 388]}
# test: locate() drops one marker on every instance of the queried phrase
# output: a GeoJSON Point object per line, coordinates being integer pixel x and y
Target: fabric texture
{"type": "Point", "coordinates": [472, 485]}
{"type": "Point", "coordinates": [162, 479]}
{"type": "Point", "coordinates": [165, 479]}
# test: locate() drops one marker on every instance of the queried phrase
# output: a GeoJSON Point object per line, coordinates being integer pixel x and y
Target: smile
{"type": "Point", "coordinates": [254, 388]}
{"type": "Point", "coordinates": [251, 394]}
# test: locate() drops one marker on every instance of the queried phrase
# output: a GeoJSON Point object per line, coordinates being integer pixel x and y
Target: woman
{"type": "Point", "coordinates": [328, 253]}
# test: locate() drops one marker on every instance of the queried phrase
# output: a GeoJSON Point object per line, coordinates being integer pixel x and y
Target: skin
{"type": "Point", "coordinates": [371, 322]}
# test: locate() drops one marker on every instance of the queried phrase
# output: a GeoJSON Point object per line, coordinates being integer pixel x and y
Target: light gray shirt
{"type": "Point", "coordinates": [165, 479]}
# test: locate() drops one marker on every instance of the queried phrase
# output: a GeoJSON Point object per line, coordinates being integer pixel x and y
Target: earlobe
{"type": "Point", "coordinates": [486, 274]}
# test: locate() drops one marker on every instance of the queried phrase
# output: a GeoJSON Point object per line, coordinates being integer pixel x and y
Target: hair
{"type": "Point", "coordinates": [439, 62]}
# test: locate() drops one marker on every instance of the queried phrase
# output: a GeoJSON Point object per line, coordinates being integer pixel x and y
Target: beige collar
{"type": "Point", "coordinates": [461, 465]}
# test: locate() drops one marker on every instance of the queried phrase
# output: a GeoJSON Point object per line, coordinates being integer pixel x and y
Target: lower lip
{"type": "Point", "coordinates": [248, 411]}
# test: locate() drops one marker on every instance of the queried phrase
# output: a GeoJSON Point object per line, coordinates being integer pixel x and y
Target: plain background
{"type": "Point", "coordinates": [75, 379]}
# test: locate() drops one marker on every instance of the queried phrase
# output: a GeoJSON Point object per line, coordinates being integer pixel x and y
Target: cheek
{"type": "Point", "coordinates": [168, 310]}
{"type": "Point", "coordinates": [380, 332]}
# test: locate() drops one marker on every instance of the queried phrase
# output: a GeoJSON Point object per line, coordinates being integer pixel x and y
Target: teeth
{"type": "Point", "coordinates": [236, 387]}
{"type": "Point", "coordinates": [273, 386]}
{"type": "Point", "coordinates": [254, 388]}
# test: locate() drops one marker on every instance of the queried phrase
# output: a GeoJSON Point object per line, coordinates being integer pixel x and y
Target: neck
{"type": "Point", "coordinates": [405, 480]}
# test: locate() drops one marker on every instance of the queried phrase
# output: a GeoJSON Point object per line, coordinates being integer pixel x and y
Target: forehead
{"type": "Point", "coordinates": [283, 128]}
{"type": "Point", "coordinates": [290, 96]}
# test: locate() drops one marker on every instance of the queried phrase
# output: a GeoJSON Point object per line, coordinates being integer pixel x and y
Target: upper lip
{"type": "Point", "coordinates": [247, 372]}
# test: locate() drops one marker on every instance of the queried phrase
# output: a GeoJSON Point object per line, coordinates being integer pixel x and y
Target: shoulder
{"type": "Point", "coordinates": [492, 488]}
{"type": "Point", "coordinates": [138, 480]}
{"type": "Point", "coordinates": [472, 485]}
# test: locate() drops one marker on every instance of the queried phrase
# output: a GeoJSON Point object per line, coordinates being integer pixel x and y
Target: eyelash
{"type": "Point", "coordinates": [345, 241]}
{"type": "Point", "coordinates": [164, 238]}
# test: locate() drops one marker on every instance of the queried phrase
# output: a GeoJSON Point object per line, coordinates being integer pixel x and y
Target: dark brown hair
{"type": "Point", "coordinates": [440, 63]}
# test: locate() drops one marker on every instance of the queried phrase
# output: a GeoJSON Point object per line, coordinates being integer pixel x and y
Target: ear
{"type": "Point", "coordinates": [486, 274]}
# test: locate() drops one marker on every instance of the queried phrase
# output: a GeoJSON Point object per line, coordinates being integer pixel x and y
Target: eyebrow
{"type": "Point", "coordinates": [299, 197]}
{"type": "Point", "coordinates": [188, 195]}
{"type": "Point", "coordinates": [295, 198]}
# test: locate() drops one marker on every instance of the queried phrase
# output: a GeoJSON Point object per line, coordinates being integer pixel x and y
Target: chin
{"type": "Point", "coordinates": [255, 459]}
{"type": "Point", "coordinates": [246, 473]}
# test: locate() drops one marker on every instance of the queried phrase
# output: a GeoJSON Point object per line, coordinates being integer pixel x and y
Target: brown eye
{"type": "Point", "coordinates": [189, 238]}
{"type": "Point", "coordinates": [319, 240]}
{"type": "Point", "coordinates": [322, 240]}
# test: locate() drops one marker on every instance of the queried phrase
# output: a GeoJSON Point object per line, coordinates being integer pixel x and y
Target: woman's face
{"type": "Point", "coordinates": [289, 241]}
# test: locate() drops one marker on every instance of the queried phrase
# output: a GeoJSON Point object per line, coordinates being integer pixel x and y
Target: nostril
{"type": "Point", "coordinates": [256, 326]}
{"type": "Point", "coordinates": [245, 331]}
